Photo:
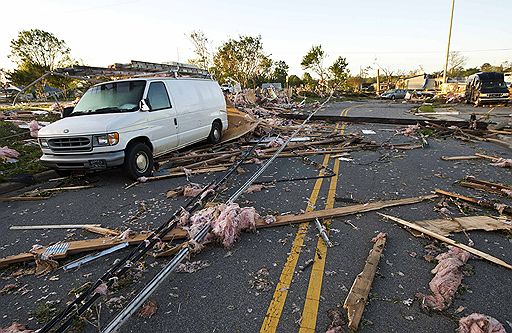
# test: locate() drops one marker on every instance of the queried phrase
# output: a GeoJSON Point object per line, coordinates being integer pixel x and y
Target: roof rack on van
{"type": "Point", "coordinates": [137, 69]}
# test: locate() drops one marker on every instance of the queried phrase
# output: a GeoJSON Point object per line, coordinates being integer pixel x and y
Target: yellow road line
{"type": "Point", "coordinates": [276, 305]}
{"type": "Point", "coordinates": [312, 302]}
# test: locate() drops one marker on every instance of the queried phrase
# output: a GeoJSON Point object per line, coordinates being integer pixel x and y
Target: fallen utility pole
{"type": "Point", "coordinates": [132, 307]}
{"type": "Point", "coordinates": [358, 294]}
{"type": "Point", "coordinates": [385, 120]}
{"type": "Point", "coordinates": [448, 241]}
{"type": "Point", "coordinates": [87, 298]}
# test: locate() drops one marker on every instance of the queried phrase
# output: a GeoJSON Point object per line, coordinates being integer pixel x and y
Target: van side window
{"type": "Point", "coordinates": [157, 96]}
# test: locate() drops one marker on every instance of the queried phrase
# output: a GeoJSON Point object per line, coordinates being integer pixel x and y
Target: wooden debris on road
{"type": "Point", "coordinates": [482, 185]}
{"type": "Point", "coordinates": [501, 208]}
{"type": "Point", "coordinates": [449, 241]}
{"type": "Point", "coordinates": [445, 227]}
{"type": "Point", "coordinates": [53, 226]}
{"type": "Point", "coordinates": [178, 233]}
{"type": "Point", "coordinates": [460, 158]}
{"type": "Point", "coordinates": [358, 294]}
{"type": "Point", "coordinates": [22, 198]}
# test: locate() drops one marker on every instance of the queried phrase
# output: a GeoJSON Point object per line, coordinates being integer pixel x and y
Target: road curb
{"type": "Point", "coordinates": [37, 178]}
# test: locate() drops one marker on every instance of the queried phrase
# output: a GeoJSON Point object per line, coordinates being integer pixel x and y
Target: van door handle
{"type": "Point", "coordinates": [175, 122]}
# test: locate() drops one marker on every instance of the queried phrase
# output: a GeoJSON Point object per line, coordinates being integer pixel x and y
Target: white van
{"type": "Point", "coordinates": [128, 122]}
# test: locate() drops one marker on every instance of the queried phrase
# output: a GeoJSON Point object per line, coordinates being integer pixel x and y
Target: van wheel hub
{"type": "Point", "coordinates": [216, 134]}
{"type": "Point", "coordinates": [142, 162]}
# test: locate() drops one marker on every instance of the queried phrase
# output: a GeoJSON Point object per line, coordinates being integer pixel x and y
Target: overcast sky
{"type": "Point", "coordinates": [393, 34]}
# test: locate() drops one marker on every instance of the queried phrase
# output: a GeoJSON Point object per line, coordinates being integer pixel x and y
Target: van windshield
{"type": "Point", "coordinates": [111, 97]}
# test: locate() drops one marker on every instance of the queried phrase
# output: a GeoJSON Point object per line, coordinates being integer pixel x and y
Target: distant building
{"type": "Point", "coordinates": [419, 82]}
{"type": "Point", "coordinates": [275, 85]}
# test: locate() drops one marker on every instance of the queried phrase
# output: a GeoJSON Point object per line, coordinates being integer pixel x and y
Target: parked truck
{"type": "Point", "coordinates": [130, 122]}
{"type": "Point", "coordinates": [486, 88]}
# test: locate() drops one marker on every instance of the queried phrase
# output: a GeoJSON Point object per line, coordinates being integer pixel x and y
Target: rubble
{"type": "Point", "coordinates": [148, 309]}
{"type": "Point", "coordinates": [15, 328]}
{"type": "Point", "coordinates": [448, 277]}
{"type": "Point", "coordinates": [479, 323]}
{"type": "Point", "coordinates": [192, 266]}
{"type": "Point", "coordinates": [8, 155]}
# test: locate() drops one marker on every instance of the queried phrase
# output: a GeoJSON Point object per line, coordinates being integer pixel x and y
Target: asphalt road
{"type": "Point", "coordinates": [221, 298]}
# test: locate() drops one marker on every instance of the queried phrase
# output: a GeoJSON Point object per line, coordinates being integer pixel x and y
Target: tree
{"type": "Point", "coordinates": [201, 49]}
{"type": "Point", "coordinates": [279, 72]}
{"type": "Point", "coordinates": [36, 52]}
{"type": "Point", "coordinates": [294, 81]}
{"type": "Point", "coordinates": [308, 80]}
{"type": "Point", "coordinates": [241, 59]}
{"type": "Point", "coordinates": [339, 73]}
{"type": "Point", "coordinates": [39, 48]}
{"type": "Point", "coordinates": [314, 60]}
{"type": "Point", "coordinates": [456, 62]}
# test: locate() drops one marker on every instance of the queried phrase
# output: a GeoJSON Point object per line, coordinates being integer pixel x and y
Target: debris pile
{"type": "Point", "coordinates": [479, 323]}
{"type": "Point", "coordinates": [448, 277]}
{"type": "Point", "coordinates": [8, 155]}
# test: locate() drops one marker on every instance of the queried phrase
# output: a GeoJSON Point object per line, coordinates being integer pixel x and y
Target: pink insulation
{"type": "Point", "coordinates": [15, 328]}
{"type": "Point", "coordinates": [277, 142]}
{"type": "Point", "coordinates": [227, 222]}
{"type": "Point", "coordinates": [503, 163]}
{"type": "Point", "coordinates": [8, 153]}
{"type": "Point", "coordinates": [448, 277]}
{"type": "Point", "coordinates": [255, 188]}
{"type": "Point", "coordinates": [479, 323]}
{"type": "Point", "coordinates": [34, 128]}
{"type": "Point", "coordinates": [192, 190]}
{"type": "Point", "coordinates": [410, 130]}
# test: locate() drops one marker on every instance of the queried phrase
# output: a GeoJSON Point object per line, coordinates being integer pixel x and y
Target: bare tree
{"type": "Point", "coordinates": [456, 63]}
{"type": "Point", "coordinates": [201, 49]}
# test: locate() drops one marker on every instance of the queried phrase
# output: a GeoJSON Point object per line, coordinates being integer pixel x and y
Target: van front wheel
{"type": "Point", "coordinates": [215, 133]}
{"type": "Point", "coordinates": [138, 161]}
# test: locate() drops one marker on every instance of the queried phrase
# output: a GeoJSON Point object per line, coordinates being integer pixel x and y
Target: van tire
{"type": "Point", "coordinates": [138, 161]}
{"type": "Point", "coordinates": [215, 133]}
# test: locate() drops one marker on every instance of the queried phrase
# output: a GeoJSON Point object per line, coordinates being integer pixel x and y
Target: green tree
{"type": "Point", "coordinates": [279, 72]}
{"type": "Point", "coordinates": [294, 81]}
{"type": "Point", "coordinates": [309, 81]}
{"type": "Point", "coordinates": [314, 60]}
{"type": "Point", "coordinates": [242, 60]}
{"type": "Point", "coordinates": [35, 52]}
{"type": "Point", "coordinates": [339, 73]}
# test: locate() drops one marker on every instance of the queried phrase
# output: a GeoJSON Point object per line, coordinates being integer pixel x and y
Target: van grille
{"type": "Point", "coordinates": [78, 143]}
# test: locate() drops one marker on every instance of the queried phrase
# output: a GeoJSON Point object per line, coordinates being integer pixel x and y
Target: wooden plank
{"type": "Point", "coordinates": [342, 211]}
{"type": "Point", "coordinates": [53, 226]}
{"type": "Point", "coordinates": [102, 231]}
{"type": "Point", "coordinates": [358, 295]}
{"type": "Point", "coordinates": [480, 202]}
{"type": "Point", "coordinates": [460, 158]}
{"type": "Point", "coordinates": [448, 241]}
{"type": "Point", "coordinates": [22, 198]}
{"type": "Point", "coordinates": [466, 223]}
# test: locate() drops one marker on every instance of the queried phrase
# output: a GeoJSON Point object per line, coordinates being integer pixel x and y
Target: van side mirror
{"type": "Point", "coordinates": [67, 111]}
{"type": "Point", "coordinates": [144, 105]}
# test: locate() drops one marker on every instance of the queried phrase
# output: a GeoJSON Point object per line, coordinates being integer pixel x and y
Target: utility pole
{"type": "Point", "coordinates": [448, 47]}
{"type": "Point", "coordinates": [378, 82]}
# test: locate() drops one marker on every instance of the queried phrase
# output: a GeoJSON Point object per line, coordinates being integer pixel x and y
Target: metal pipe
{"type": "Point", "coordinates": [323, 233]}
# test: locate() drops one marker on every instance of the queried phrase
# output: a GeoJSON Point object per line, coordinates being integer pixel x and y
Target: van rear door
{"type": "Point", "coordinates": [163, 129]}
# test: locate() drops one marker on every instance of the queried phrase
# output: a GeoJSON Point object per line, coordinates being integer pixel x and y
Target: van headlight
{"type": "Point", "coordinates": [109, 139]}
{"type": "Point", "coordinates": [43, 143]}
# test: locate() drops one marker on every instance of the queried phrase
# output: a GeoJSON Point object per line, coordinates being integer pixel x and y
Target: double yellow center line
{"type": "Point", "coordinates": [309, 316]}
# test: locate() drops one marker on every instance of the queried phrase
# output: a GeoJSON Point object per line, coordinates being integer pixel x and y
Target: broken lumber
{"type": "Point", "coordinates": [501, 208]}
{"type": "Point", "coordinates": [386, 120]}
{"type": "Point", "coordinates": [448, 241]}
{"type": "Point", "coordinates": [53, 226]}
{"type": "Point", "coordinates": [358, 294]}
{"type": "Point", "coordinates": [22, 198]}
{"type": "Point", "coordinates": [445, 227]}
{"type": "Point", "coordinates": [178, 233]}
{"type": "Point", "coordinates": [342, 211]}
{"type": "Point", "coordinates": [461, 158]}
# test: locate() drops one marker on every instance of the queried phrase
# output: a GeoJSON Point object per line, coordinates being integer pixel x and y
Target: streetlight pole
{"type": "Point", "coordinates": [448, 47]}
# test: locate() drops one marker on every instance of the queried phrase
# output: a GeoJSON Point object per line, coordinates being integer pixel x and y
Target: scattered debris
{"type": "Point", "coordinates": [192, 266]}
{"type": "Point", "coordinates": [503, 163]}
{"type": "Point", "coordinates": [16, 328]}
{"type": "Point", "coordinates": [260, 281]}
{"type": "Point", "coordinates": [358, 295]}
{"type": "Point", "coordinates": [337, 322]}
{"type": "Point", "coordinates": [8, 155]}
{"type": "Point", "coordinates": [445, 227]}
{"type": "Point", "coordinates": [479, 323]}
{"type": "Point", "coordinates": [448, 277]}
{"type": "Point", "coordinates": [148, 309]}
{"type": "Point", "coordinates": [448, 241]}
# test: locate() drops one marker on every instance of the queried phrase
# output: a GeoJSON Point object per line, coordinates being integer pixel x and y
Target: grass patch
{"type": "Point", "coordinates": [28, 162]}
{"type": "Point", "coordinates": [426, 108]}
